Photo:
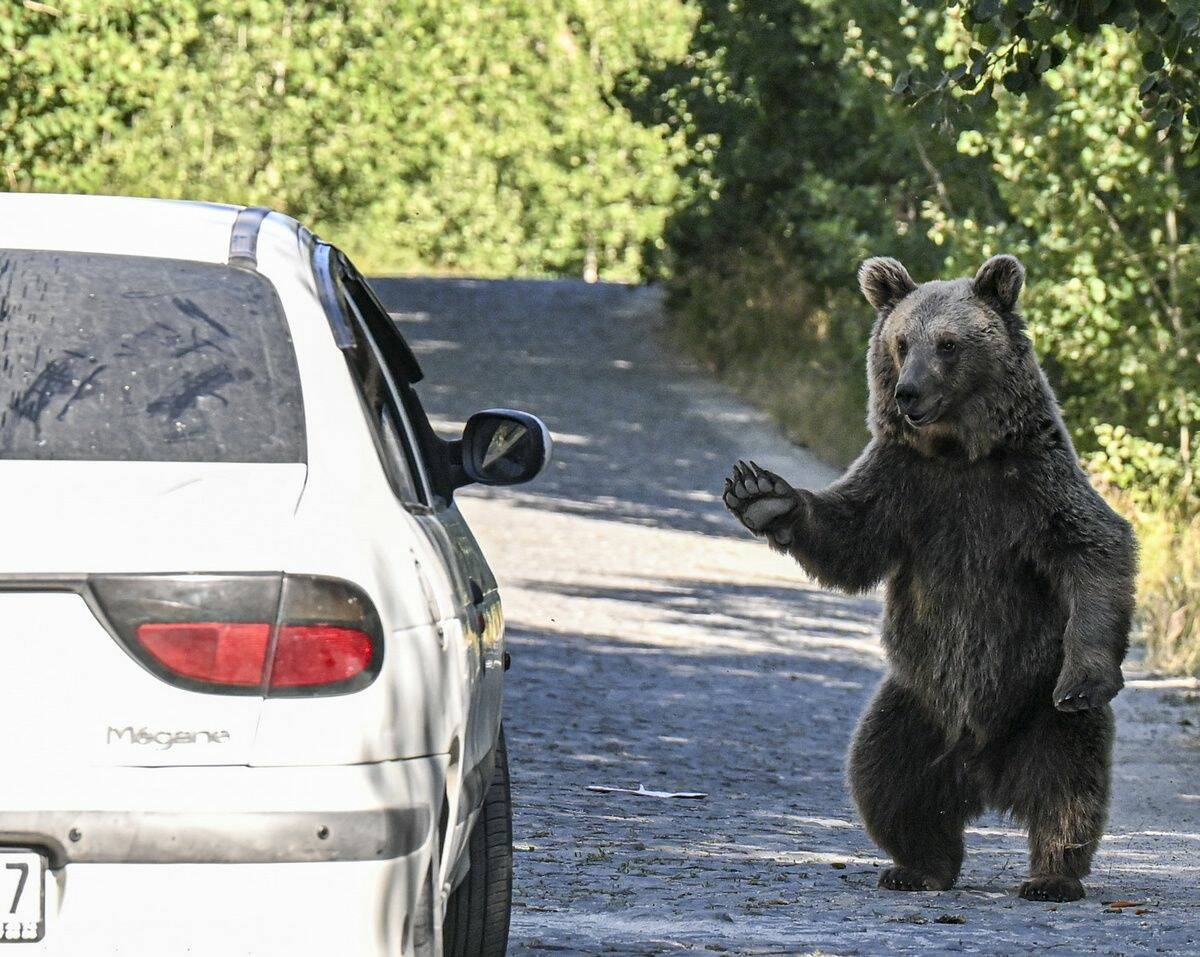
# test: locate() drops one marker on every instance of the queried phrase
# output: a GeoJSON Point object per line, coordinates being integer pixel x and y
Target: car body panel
{"type": "Point", "coordinates": [99, 701]}
{"type": "Point", "coordinates": [161, 228]}
{"type": "Point", "coordinates": [229, 792]}
{"type": "Point", "coordinates": [476, 597]}
{"type": "Point", "coordinates": [97, 517]}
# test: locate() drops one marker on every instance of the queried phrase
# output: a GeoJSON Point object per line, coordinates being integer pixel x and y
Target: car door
{"type": "Point", "coordinates": [468, 588]}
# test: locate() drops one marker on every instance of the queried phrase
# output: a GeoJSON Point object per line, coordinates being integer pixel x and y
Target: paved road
{"type": "Point", "coordinates": [655, 643]}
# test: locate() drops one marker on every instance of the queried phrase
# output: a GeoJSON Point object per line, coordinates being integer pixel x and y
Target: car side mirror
{"type": "Point", "coordinates": [503, 447]}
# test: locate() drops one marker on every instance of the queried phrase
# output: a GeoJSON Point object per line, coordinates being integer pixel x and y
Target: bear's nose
{"type": "Point", "coordinates": [907, 395]}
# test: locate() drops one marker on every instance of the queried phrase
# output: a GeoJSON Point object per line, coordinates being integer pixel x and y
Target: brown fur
{"type": "Point", "coordinates": [1009, 585]}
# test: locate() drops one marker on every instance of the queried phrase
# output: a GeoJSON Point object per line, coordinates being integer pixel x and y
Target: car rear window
{"type": "Point", "coordinates": [133, 358]}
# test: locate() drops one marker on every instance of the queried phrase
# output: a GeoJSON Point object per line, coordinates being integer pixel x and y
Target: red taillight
{"type": "Point", "coordinates": [308, 655]}
{"type": "Point", "coordinates": [283, 635]}
{"type": "Point", "coordinates": [234, 653]}
{"type": "Point", "coordinates": [222, 652]}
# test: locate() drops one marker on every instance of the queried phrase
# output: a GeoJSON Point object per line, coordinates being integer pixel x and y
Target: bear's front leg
{"type": "Point", "coordinates": [1090, 554]}
{"type": "Point", "coordinates": [762, 501]}
{"type": "Point", "coordinates": [845, 536]}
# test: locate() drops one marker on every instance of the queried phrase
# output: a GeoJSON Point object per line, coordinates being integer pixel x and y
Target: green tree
{"type": "Point", "coordinates": [70, 82]}
{"type": "Point", "coordinates": [1017, 43]}
{"type": "Point", "coordinates": [475, 135]}
{"type": "Point", "coordinates": [799, 166]}
{"type": "Point", "coordinates": [1103, 214]}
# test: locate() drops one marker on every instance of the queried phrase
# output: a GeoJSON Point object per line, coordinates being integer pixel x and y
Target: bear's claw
{"type": "Point", "coordinates": [758, 497]}
{"type": "Point", "coordinates": [1057, 889]}
{"type": "Point", "coordinates": [1079, 693]}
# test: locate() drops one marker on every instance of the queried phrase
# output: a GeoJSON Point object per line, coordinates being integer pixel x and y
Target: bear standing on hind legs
{"type": "Point", "coordinates": [1009, 585]}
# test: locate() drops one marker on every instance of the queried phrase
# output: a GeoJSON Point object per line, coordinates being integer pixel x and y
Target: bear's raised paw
{"type": "Point", "coordinates": [1079, 692]}
{"type": "Point", "coordinates": [759, 498]}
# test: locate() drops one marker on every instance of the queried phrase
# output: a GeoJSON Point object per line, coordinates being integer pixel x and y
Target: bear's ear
{"type": "Point", "coordinates": [884, 281]}
{"type": "Point", "coordinates": [999, 282]}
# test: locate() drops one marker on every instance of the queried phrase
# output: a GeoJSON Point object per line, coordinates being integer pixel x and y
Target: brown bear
{"type": "Point", "coordinates": [1009, 585]}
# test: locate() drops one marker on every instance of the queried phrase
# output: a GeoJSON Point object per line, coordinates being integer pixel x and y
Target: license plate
{"type": "Point", "coordinates": [22, 896]}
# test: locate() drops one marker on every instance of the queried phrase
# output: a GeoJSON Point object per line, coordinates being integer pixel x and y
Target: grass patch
{"type": "Point", "coordinates": [814, 403]}
{"type": "Point", "coordinates": [800, 357]}
{"type": "Point", "coordinates": [1168, 585]}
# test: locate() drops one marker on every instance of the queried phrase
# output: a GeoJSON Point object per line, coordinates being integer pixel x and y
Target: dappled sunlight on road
{"type": "Point", "coordinates": [653, 642]}
{"type": "Point", "coordinates": [736, 595]}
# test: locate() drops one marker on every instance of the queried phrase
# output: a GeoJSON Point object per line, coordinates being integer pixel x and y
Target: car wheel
{"type": "Point", "coordinates": [477, 913]}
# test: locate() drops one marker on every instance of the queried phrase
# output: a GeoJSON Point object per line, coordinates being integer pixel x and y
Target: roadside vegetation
{"type": "Point", "coordinates": [1046, 140]}
{"type": "Point", "coordinates": [745, 153]}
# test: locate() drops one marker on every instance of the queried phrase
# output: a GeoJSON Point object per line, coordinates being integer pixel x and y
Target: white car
{"type": "Point", "coordinates": [251, 657]}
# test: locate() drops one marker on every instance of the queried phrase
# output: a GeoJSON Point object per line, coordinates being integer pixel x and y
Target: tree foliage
{"type": "Point", "coordinates": [1100, 209]}
{"type": "Point", "coordinates": [797, 149]}
{"type": "Point", "coordinates": [1018, 43]}
{"type": "Point", "coordinates": [784, 143]}
{"type": "Point", "coordinates": [479, 135]}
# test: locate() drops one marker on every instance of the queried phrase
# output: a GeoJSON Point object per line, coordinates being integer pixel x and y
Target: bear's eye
{"type": "Point", "coordinates": [947, 347]}
{"type": "Point", "coordinates": [902, 347]}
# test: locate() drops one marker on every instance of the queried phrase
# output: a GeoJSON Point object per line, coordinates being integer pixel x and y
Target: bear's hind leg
{"type": "Point", "coordinates": [913, 796]}
{"type": "Point", "coordinates": [1056, 782]}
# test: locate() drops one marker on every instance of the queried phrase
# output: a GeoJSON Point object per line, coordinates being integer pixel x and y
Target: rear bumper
{"type": "Point", "coordinates": [225, 815]}
{"type": "Point", "coordinates": [248, 837]}
{"type": "Point", "coordinates": [364, 908]}
{"type": "Point", "coordinates": [233, 860]}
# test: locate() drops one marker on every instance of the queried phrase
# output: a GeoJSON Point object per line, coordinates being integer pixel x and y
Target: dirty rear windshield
{"type": "Point", "coordinates": [132, 358]}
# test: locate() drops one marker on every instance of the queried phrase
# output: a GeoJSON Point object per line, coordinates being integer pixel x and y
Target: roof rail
{"type": "Point", "coordinates": [243, 240]}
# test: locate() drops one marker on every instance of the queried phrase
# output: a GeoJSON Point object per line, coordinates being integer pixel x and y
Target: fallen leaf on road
{"type": "Point", "coordinates": [949, 919]}
{"type": "Point", "coordinates": [1117, 905]}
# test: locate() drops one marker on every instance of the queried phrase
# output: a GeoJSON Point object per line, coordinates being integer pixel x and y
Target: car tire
{"type": "Point", "coordinates": [477, 913]}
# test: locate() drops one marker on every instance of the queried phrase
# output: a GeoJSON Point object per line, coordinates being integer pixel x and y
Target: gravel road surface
{"type": "Point", "coordinates": [655, 643]}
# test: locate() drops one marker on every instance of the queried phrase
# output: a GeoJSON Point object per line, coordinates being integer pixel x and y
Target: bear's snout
{"type": "Point", "coordinates": [920, 406]}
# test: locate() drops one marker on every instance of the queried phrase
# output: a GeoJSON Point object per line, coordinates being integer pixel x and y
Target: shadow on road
{"type": "Point", "coordinates": [654, 643]}
{"type": "Point", "coordinates": [586, 358]}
